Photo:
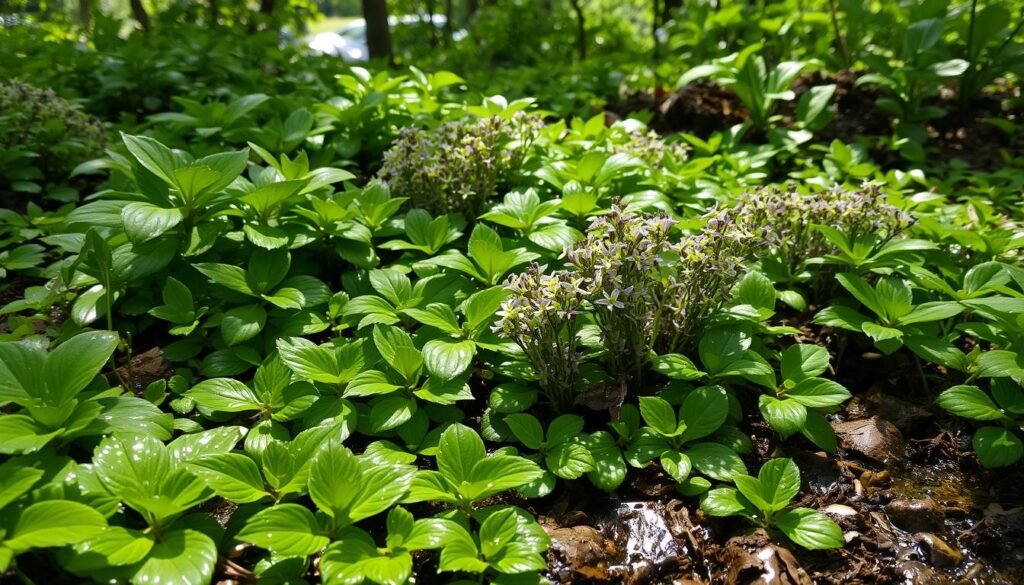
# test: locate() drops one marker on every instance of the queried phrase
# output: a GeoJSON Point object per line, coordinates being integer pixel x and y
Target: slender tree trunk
{"type": "Point", "coordinates": [85, 14]}
{"type": "Point", "coordinates": [214, 13]}
{"type": "Point", "coordinates": [378, 35]}
{"type": "Point", "coordinates": [668, 8]}
{"type": "Point", "coordinates": [431, 9]}
{"type": "Point", "coordinates": [581, 29]}
{"type": "Point", "coordinates": [472, 6]}
{"type": "Point", "coordinates": [140, 14]}
{"type": "Point", "coordinates": [448, 15]}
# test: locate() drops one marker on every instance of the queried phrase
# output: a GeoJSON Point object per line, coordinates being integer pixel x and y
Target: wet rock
{"type": "Point", "coordinates": [817, 473]}
{"type": "Point", "coordinates": [905, 415]}
{"type": "Point", "coordinates": [756, 560]}
{"type": "Point", "coordinates": [580, 550]}
{"type": "Point", "coordinates": [839, 511]}
{"type": "Point", "coordinates": [874, 438]}
{"type": "Point", "coordinates": [916, 515]}
{"type": "Point", "coordinates": [918, 572]}
{"type": "Point", "coordinates": [940, 553]}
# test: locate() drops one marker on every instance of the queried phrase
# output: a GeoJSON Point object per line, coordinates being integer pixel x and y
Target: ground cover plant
{"type": "Point", "coordinates": [671, 292]}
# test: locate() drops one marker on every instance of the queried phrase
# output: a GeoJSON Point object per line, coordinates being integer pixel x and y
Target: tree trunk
{"type": "Point", "coordinates": [448, 16]}
{"type": "Point", "coordinates": [668, 8]}
{"type": "Point", "coordinates": [378, 35]}
{"type": "Point", "coordinates": [139, 11]}
{"type": "Point", "coordinates": [85, 14]}
{"type": "Point", "coordinates": [471, 8]}
{"type": "Point", "coordinates": [214, 13]}
{"type": "Point", "coordinates": [581, 29]}
{"type": "Point", "coordinates": [431, 9]}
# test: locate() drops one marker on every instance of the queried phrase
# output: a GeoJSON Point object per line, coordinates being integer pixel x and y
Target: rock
{"type": "Point", "coordinates": [580, 550]}
{"type": "Point", "coordinates": [756, 560]}
{"type": "Point", "coordinates": [874, 438]}
{"type": "Point", "coordinates": [903, 414]}
{"type": "Point", "coordinates": [940, 553]}
{"type": "Point", "coordinates": [916, 515]}
{"type": "Point", "coordinates": [918, 572]}
{"type": "Point", "coordinates": [839, 511]}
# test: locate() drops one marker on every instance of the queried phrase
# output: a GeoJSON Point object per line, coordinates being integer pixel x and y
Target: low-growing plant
{"type": "Point", "coordinates": [996, 445]}
{"type": "Point", "coordinates": [765, 501]}
{"type": "Point", "coordinates": [758, 87]}
{"type": "Point", "coordinates": [43, 137]}
{"type": "Point", "coordinates": [459, 166]}
{"type": "Point", "coordinates": [896, 315]}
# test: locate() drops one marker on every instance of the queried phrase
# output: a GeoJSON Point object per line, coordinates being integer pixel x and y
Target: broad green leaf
{"type": "Point", "coordinates": [233, 476]}
{"type": "Point", "coordinates": [447, 359]}
{"type": "Point", "coordinates": [715, 461]}
{"type": "Point", "coordinates": [969, 402]}
{"type": "Point", "coordinates": [183, 556]}
{"type": "Point", "coordinates": [54, 523]}
{"type": "Point", "coordinates": [726, 502]}
{"type": "Point", "coordinates": [225, 395]}
{"type": "Point", "coordinates": [786, 416]}
{"type": "Point", "coordinates": [458, 451]}
{"type": "Point", "coordinates": [818, 393]}
{"type": "Point", "coordinates": [74, 364]}
{"type": "Point", "coordinates": [802, 361]}
{"type": "Point", "coordinates": [285, 529]}
{"type": "Point", "coordinates": [659, 415]}
{"type": "Point", "coordinates": [527, 429]}
{"type": "Point", "coordinates": [780, 481]}
{"type": "Point", "coordinates": [703, 411]}
{"type": "Point", "coordinates": [810, 529]}
{"type": "Point", "coordinates": [997, 446]}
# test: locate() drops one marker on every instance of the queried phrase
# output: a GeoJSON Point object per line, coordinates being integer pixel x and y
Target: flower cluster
{"type": "Point", "coordinates": [542, 316]}
{"type": "Point", "coordinates": [650, 148]}
{"type": "Point", "coordinates": [40, 122]}
{"type": "Point", "coordinates": [645, 293]}
{"type": "Point", "coordinates": [790, 218]}
{"type": "Point", "coordinates": [698, 281]}
{"type": "Point", "coordinates": [619, 262]}
{"type": "Point", "coordinates": [459, 166]}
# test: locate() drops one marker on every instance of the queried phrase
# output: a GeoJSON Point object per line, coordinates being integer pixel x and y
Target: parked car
{"type": "Point", "coordinates": [349, 42]}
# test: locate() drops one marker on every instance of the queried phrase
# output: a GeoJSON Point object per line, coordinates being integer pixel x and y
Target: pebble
{"type": "Point", "coordinates": [940, 553]}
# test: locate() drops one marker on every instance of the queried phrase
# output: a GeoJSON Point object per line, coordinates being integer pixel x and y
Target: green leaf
{"type": "Point", "coordinates": [786, 416]}
{"type": "Point", "coordinates": [233, 476]}
{"type": "Point", "coordinates": [810, 529]}
{"type": "Point", "coordinates": [997, 446]}
{"type": "Point", "coordinates": [15, 481]}
{"type": "Point", "coordinates": [569, 460]}
{"type": "Point", "coordinates": [498, 473]}
{"type": "Point", "coordinates": [818, 393]}
{"type": "Point", "coordinates": [817, 430]}
{"type": "Point", "coordinates": [226, 275]}
{"type": "Point", "coordinates": [862, 291]}
{"type": "Point", "coordinates": [726, 502]}
{"type": "Point", "coordinates": [458, 451]}
{"type": "Point", "coordinates": [802, 361]}
{"type": "Point", "coordinates": [391, 412]}
{"type": "Point", "coordinates": [155, 157]}
{"type": "Point", "coordinates": [224, 395]}
{"type": "Point", "coordinates": [527, 429]}
{"type": "Point", "coordinates": [22, 434]}
{"type": "Point", "coordinates": [285, 529]}
{"type": "Point", "coordinates": [438, 315]}
{"type": "Point", "coordinates": [677, 465]}
{"type": "Point", "coordinates": [609, 466]}
{"type": "Point", "coordinates": [659, 415]}
{"type": "Point", "coordinates": [145, 221]}
{"type": "Point", "coordinates": [113, 546]}
{"type": "Point", "coordinates": [703, 411]}
{"type": "Point", "coordinates": [54, 523]}
{"type": "Point", "coordinates": [446, 359]}
{"type": "Point", "coordinates": [677, 367]}
{"type": "Point", "coordinates": [241, 324]}
{"type": "Point", "coordinates": [74, 364]}
{"type": "Point", "coordinates": [715, 461]}
{"type": "Point", "coordinates": [186, 556]}
{"type": "Point", "coordinates": [969, 402]}
{"type": "Point", "coordinates": [780, 481]}
{"type": "Point", "coordinates": [927, 312]}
